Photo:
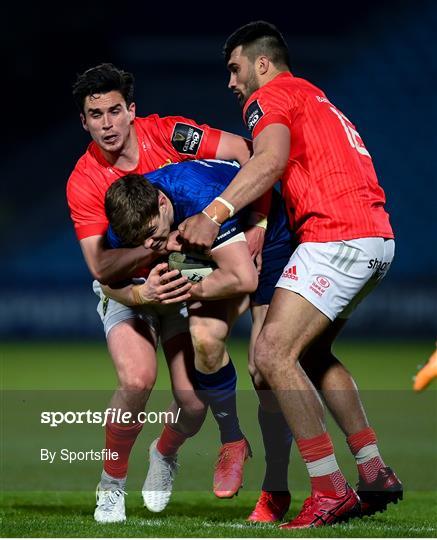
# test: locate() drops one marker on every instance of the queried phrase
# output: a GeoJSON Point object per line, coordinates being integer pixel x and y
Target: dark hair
{"type": "Point", "coordinates": [257, 38]}
{"type": "Point", "coordinates": [100, 80]}
{"type": "Point", "coordinates": [130, 203]}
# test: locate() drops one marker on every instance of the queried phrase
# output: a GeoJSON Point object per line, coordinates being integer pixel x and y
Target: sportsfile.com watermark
{"type": "Point", "coordinates": [108, 416]}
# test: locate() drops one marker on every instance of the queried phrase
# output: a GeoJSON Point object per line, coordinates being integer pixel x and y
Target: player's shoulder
{"type": "Point", "coordinates": [287, 84]}
{"type": "Point", "coordinates": [81, 166]}
{"type": "Point", "coordinates": [86, 171]}
{"type": "Point", "coordinates": [144, 122]}
{"type": "Point", "coordinates": [174, 129]}
{"type": "Point", "coordinates": [164, 122]}
{"type": "Point", "coordinates": [307, 88]}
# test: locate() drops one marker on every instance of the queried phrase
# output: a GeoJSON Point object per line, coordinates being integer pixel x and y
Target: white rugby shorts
{"type": "Point", "coordinates": [336, 276]}
{"type": "Point", "coordinates": [165, 320]}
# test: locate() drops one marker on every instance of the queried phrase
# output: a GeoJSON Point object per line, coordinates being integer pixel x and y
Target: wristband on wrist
{"type": "Point", "coordinates": [228, 205]}
{"type": "Point", "coordinates": [219, 210]}
{"type": "Point", "coordinates": [136, 295]}
{"type": "Point", "coordinates": [211, 218]}
{"type": "Point", "coordinates": [262, 223]}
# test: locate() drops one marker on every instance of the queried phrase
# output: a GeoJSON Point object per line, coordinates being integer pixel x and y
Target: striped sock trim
{"type": "Point", "coordinates": [322, 467]}
{"type": "Point", "coordinates": [366, 453]}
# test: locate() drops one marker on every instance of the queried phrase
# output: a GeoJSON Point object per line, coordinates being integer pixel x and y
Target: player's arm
{"type": "Point", "coordinates": [110, 265]}
{"type": "Point", "coordinates": [235, 273]}
{"type": "Point", "coordinates": [161, 287]}
{"type": "Point", "coordinates": [259, 174]}
{"type": "Point", "coordinates": [233, 147]}
{"type": "Point", "coordinates": [271, 152]}
{"type": "Point", "coordinates": [88, 214]}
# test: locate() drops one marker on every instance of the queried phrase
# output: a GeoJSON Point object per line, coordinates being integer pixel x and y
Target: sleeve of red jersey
{"type": "Point", "coordinates": [86, 207]}
{"type": "Point", "coordinates": [268, 108]}
{"type": "Point", "coordinates": [189, 140]}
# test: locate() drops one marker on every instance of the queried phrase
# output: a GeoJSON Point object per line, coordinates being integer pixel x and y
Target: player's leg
{"type": "Point", "coordinates": [274, 500]}
{"type": "Point", "coordinates": [179, 353]}
{"type": "Point", "coordinates": [210, 324]}
{"type": "Point", "coordinates": [292, 324]}
{"type": "Point", "coordinates": [334, 381]}
{"type": "Point", "coordinates": [131, 344]}
{"type": "Point", "coordinates": [378, 484]}
{"type": "Point", "coordinates": [188, 408]}
{"type": "Point", "coordinates": [312, 291]}
{"type": "Point", "coordinates": [327, 279]}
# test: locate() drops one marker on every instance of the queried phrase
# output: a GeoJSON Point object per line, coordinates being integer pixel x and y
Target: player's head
{"type": "Point", "coordinates": [138, 212]}
{"type": "Point", "coordinates": [254, 54]}
{"type": "Point", "coordinates": [104, 97]}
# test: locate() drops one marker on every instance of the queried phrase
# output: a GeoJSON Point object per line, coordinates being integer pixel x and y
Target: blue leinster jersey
{"type": "Point", "coordinates": [192, 185]}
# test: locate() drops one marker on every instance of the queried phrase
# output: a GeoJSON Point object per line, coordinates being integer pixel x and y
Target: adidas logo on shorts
{"type": "Point", "coordinates": [290, 273]}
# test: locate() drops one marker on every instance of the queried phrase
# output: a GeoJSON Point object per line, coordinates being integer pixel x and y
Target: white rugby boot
{"type": "Point", "coordinates": [158, 485]}
{"type": "Point", "coordinates": [109, 505]}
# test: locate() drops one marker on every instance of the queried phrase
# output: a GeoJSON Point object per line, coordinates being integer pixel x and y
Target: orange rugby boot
{"type": "Point", "coordinates": [271, 506]}
{"type": "Point", "coordinates": [426, 374]}
{"type": "Point", "coordinates": [228, 474]}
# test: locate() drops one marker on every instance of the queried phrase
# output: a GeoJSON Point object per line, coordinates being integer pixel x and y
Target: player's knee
{"type": "Point", "coordinates": [268, 354]}
{"type": "Point", "coordinates": [208, 351]}
{"type": "Point", "coordinates": [138, 382]}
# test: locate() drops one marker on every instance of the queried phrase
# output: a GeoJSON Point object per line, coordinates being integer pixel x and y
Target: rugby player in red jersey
{"type": "Point", "coordinates": [125, 144]}
{"type": "Point", "coordinates": [345, 247]}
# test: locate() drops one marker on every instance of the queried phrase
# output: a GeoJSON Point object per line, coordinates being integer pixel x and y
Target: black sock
{"type": "Point", "coordinates": [277, 440]}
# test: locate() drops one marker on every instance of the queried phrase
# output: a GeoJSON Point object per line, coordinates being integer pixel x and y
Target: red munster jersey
{"type": "Point", "coordinates": [330, 186]}
{"type": "Point", "coordinates": [160, 141]}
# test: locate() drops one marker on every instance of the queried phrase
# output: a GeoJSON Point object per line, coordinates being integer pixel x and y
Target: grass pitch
{"type": "Point", "coordinates": [42, 500]}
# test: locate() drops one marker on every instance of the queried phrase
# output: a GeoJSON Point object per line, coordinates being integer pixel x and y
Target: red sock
{"type": "Point", "coordinates": [120, 438]}
{"type": "Point", "coordinates": [170, 441]}
{"type": "Point", "coordinates": [364, 447]}
{"type": "Point", "coordinates": [318, 454]}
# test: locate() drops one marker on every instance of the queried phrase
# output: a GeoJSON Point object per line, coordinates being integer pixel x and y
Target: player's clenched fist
{"type": "Point", "coordinates": [198, 233]}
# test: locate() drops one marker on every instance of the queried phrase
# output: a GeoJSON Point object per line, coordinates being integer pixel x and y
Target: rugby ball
{"type": "Point", "coordinates": [194, 266]}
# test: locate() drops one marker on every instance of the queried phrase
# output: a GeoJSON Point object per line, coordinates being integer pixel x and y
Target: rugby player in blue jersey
{"type": "Point", "coordinates": [143, 210]}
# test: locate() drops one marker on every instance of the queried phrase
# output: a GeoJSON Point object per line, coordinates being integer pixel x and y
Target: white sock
{"type": "Point", "coordinates": [109, 482]}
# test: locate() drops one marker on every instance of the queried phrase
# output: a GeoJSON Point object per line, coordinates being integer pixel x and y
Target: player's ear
{"type": "Point", "coordinates": [262, 65]}
{"type": "Point", "coordinates": [131, 110]}
{"type": "Point", "coordinates": [83, 120]}
{"type": "Point", "coordinates": [162, 201]}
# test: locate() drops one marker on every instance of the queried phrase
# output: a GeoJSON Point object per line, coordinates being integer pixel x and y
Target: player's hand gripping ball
{"type": "Point", "coordinates": [194, 266]}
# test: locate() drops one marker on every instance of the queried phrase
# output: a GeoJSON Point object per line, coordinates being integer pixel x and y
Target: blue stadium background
{"type": "Point", "coordinates": [378, 65]}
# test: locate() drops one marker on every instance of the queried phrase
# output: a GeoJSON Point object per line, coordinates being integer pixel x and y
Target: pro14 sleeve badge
{"type": "Point", "coordinates": [253, 115]}
{"type": "Point", "coordinates": [186, 138]}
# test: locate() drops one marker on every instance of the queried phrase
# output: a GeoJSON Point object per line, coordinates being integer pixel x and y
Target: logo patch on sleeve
{"type": "Point", "coordinates": [186, 139]}
{"type": "Point", "coordinates": [254, 113]}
